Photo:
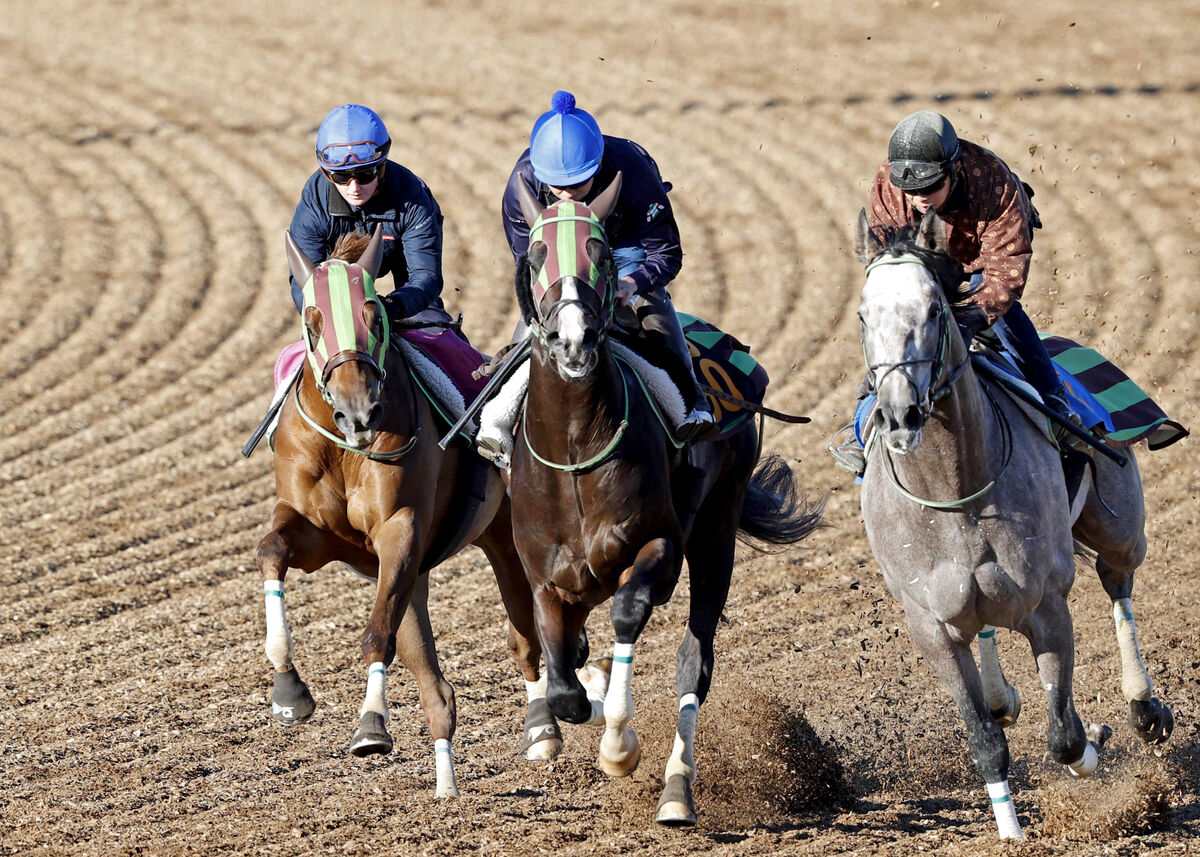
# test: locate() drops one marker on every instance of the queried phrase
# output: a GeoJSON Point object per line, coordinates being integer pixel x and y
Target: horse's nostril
{"type": "Point", "coordinates": [912, 418]}
{"type": "Point", "coordinates": [339, 417]}
{"type": "Point", "coordinates": [374, 415]}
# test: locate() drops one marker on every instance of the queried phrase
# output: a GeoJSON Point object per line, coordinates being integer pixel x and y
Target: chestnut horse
{"type": "Point", "coordinates": [967, 514]}
{"type": "Point", "coordinates": [606, 504]}
{"type": "Point", "coordinates": [359, 477]}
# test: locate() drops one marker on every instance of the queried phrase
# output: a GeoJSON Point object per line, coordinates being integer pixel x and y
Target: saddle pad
{"type": "Point", "coordinates": [1126, 414]}
{"type": "Point", "coordinates": [723, 363]}
{"type": "Point", "coordinates": [288, 362]}
{"type": "Point", "coordinates": [456, 357]}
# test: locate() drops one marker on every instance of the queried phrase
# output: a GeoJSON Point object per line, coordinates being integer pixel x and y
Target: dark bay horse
{"type": "Point", "coordinates": [359, 477]}
{"type": "Point", "coordinates": [967, 513]}
{"type": "Point", "coordinates": [606, 505]}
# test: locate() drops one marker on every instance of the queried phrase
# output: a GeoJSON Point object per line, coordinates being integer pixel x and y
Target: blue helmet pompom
{"type": "Point", "coordinates": [562, 101]}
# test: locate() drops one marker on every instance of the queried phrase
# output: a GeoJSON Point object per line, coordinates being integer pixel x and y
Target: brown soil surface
{"type": "Point", "coordinates": [155, 151]}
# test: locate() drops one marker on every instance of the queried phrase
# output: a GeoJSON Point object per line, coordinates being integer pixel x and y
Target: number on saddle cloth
{"type": "Point", "coordinates": [723, 363]}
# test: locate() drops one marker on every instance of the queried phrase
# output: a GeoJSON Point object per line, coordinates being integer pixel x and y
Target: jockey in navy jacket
{"type": "Point", "coordinates": [412, 233]}
{"type": "Point", "coordinates": [642, 217]}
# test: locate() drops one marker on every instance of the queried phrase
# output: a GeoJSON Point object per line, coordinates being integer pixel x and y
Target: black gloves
{"type": "Point", "coordinates": [971, 319]}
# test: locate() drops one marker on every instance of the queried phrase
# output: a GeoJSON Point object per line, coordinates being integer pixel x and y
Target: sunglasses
{"type": "Point", "coordinates": [363, 175]}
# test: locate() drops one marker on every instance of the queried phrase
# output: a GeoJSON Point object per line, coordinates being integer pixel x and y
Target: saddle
{"type": "Point", "coordinates": [722, 364]}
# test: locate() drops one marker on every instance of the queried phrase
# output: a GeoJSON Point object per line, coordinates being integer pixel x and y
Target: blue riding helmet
{"type": "Point", "coordinates": [565, 146]}
{"type": "Point", "coordinates": [351, 136]}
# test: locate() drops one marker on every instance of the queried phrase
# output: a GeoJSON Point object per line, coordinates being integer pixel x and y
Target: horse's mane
{"type": "Point", "coordinates": [350, 247]}
{"type": "Point", "coordinates": [904, 241]}
{"type": "Point", "coordinates": [523, 282]}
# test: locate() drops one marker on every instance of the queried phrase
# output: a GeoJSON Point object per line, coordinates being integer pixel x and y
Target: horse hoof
{"type": "Point", "coordinates": [675, 807]}
{"type": "Point", "coordinates": [1097, 733]}
{"type": "Point", "coordinates": [1008, 715]}
{"type": "Point", "coordinates": [291, 703]}
{"type": "Point", "coordinates": [371, 736]}
{"type": "Point", "coordinates": [625, 766]}
{"type": "Point", "coordinates": [543, 738]}
{"type": "Point", "coordinates": [1152, 720]}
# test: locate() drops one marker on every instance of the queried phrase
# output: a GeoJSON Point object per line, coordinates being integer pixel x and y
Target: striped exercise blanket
{"type": "Point", "coordinates": [1106, 397]}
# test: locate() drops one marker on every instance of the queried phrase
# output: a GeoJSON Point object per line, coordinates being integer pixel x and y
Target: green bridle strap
{"type": "Point", "coordinates": [591, 462]}
{"type": "Point", "coordinates": [340, 443]}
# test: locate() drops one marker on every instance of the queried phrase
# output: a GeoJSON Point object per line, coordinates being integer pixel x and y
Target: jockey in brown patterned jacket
{"type": "Point", "coordinates": [989, 230]}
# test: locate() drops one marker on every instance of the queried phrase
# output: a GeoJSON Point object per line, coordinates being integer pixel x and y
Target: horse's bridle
{"type": "Point", "coordinates": [940, 381]}
{"type": "Point", "coordinates": [935, 391]}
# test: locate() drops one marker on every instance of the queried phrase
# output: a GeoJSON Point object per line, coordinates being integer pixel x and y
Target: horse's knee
{"type": "Point", "coordinates": [630, 611]}
{"type": "Point", "coordinates": [272, 555]}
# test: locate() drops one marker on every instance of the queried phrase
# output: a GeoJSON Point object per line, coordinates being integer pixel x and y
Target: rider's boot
{"type": "Point", "coordinates": [658, 315]}
{"type": "Point", "coordinates": [498, 419]}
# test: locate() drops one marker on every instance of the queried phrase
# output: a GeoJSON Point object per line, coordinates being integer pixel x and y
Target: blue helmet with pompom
{"type": "Point", "coordinates": [352, 136]}
{"type": "Point", "coordinates": [565, 146]}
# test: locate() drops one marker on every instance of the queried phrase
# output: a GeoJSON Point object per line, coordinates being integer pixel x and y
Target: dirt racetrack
{"type": "Point", "coordinates": [156, 151]}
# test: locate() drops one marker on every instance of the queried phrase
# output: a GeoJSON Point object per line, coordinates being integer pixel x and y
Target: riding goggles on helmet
{"type": "Point", "coordinates": [340, 156]}
{"type": "Point", "coordinates": [918, 175]}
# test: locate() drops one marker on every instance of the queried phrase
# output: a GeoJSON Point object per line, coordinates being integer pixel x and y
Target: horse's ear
{"type": "Point", "coordinates": [931, 234]}
{"type": "Point", "coordinates": [530, 207]}
{"type": "Point", "coordinates": [373, 255]}
{"type": "Point", "coordinates": [603, 205]}
{"type": "Point", "coordinates": [866, 245]}
{"type": "Point", "coordinates": [301, 266]}
{"type": "Point", "coordinates": [314, 325]}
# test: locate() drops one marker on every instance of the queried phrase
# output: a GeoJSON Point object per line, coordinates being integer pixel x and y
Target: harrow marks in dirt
{"type": "Point", "coordinates": [152, 168]}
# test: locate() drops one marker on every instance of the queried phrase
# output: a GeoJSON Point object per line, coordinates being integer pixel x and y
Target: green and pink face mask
{"type": "Point", "coordinates": [341, 292]}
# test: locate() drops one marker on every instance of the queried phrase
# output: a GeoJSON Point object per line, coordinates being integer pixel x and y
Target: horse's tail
{"type": "Point", "coordinates": [774, 513]}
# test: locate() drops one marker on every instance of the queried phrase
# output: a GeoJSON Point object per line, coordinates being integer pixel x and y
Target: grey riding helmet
{"type": "Point", "coordinates": [922, 149]}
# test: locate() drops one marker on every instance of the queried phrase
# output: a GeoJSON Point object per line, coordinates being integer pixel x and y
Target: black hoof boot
{"type": "Point", "coordinates": [291, 703]}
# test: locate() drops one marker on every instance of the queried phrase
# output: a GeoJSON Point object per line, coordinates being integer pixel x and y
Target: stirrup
{"type": "Point", "coordinates": [698, 425]}
{"type": "Point", "coordinates": [491, 449]}
{"type": "Point", "coordinates": [846, 451]}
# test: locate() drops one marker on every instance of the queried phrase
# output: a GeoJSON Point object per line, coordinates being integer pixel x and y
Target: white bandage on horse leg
{"type": "Point", "coordinates": [683, 760]}
{"type": "Point", "coordinates": [1087, 763]}
{"type": "Point", "coordinates": [447, 785]}
{"type": "Point", "coordinates": [1005, 810]}
{"type": "Point", "coordinates": [279, 637]}
{"type": "Point", "coordinates": [498, 419]}
{"type": "Point", "coordinates": [535, 689]}
{"type": "Point", "coordinates": [618, 701]}
{"type": "Point", "coordinates": [376, 698]}
{"type": "Point", "coordinates": [1135, 681]}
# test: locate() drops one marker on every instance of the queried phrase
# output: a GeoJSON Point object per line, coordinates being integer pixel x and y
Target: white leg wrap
{"type": "Point", "coordinates": [1087, 763]}
{"type": "Point", "coordinates": [447, 785]}
{"type": "Point", "coordinates": [1135, 681]}
{"type": "Point", "coordinates": [498, 418]}
{"type": "Point", "coordinates": [376, 698]}
{"type": "Point", "coordinates": [995, 693]}
{"type": "Point", "coordinates": [279, 636]}
{"type": "Point", "coordinates": [535, 689]}
{"type": "Point", "coordinates": [618, 701]}
{"type": "Point", "coordinates": [1005, 811]}
{"type": "Point", "coordinates": [683, 760]}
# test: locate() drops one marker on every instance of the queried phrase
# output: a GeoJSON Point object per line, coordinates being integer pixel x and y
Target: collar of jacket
{"type": "Point", "coordinates": [376, 207]}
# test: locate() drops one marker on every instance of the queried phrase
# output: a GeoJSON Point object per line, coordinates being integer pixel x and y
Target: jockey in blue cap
{"type": "Point", "coordinates": [569, 159]}
{"type": "Point", "coordinates": [356, 187]}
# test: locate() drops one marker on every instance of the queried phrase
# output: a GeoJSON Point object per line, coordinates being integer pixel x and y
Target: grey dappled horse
{"type": "Point", "coordinates": [967, 514]}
